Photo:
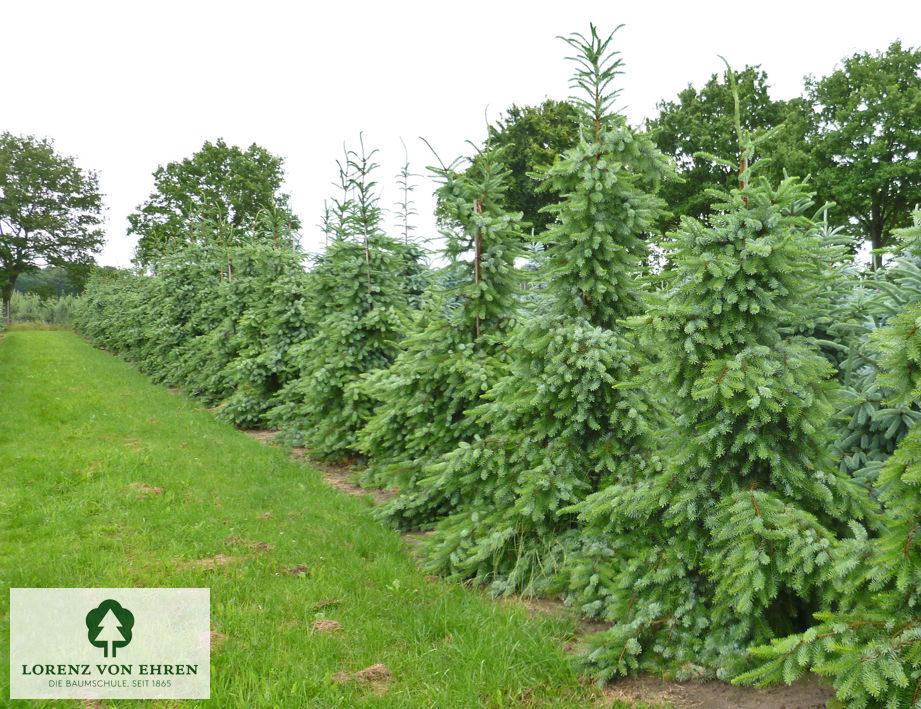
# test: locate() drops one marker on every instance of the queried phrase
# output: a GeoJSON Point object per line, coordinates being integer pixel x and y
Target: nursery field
{"type": "Point", "coordinates": [690, 416]}
{"type": "Point", "coordinates": [110, 481]}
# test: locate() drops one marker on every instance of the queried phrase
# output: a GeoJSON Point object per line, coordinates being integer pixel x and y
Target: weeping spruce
{"type": "Point", "coordinates": [271, 320]}
{"type": "Point", "coordinates": [458, 349]}
{"type": "Point", "coordinates": [871, 423]}
{"type": "Point", "coordinates": [561, 423]}
{"type": "Point", "coordinates": [360, 305]}
{"type": "Point", "coordinates": [217, 320]}
{"type": "Point", "coordinates": [869, 645]}
{"type": "Point", "coordinates": [732, 541]}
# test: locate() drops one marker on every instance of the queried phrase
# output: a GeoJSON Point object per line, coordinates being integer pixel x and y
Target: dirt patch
{"type": "Point", "coordinates": [324, 603]}
{"type": "Point", "coordinates": [374, 673]}
{"type": "Point", "coordinates": [216, 638]}
{"type": "Point", "coordinates": [262, 435]}
{"type": "Point", "coordinates": [326, 625]}
{"type": "Point", "coordinates": [299, 570]}
{"type": "Point", "coordinates": [265, 515]}
{"type": "Point", "coordinates": [133, 444]}
{"type": "Point", "coordinates": [339, 476]}
{"type": "Point", "coordinates": [234, 541]}
{"type": "Point", "coordinates": [174, 391]}
{"type": "Point", "coordinates": [375, 677]}
{"type": "Point", "coordinates": [536, 605]}
{"type": "Point", "coordinates": [807, 693]}
{"type": "Point", "coordinates": [143, 489]}
{"type": "Point", "coordinates": [211, 563]}
{"type": "Point", "coordinates": [553, 606]}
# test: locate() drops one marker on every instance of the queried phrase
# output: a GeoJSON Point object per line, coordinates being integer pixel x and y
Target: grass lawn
{"type": "Point", "coordinates": [111, 481]}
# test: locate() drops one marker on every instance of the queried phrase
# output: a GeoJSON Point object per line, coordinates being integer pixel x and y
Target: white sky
{"type": "Point", "coordinates": [127, 86]}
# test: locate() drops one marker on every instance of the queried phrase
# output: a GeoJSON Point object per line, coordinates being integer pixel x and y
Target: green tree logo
{"type": "Point", "coordinates": [109, 626]}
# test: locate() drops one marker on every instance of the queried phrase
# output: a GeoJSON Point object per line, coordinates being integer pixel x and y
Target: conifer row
{"type": "Point", "coordinates": [703, 438]}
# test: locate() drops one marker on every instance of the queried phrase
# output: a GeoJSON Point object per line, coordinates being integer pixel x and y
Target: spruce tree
{"type": "Point", "coordinates": [561, 423]}
{"type": "Point", "coordinates": [729, 542]}
{"type": "Point", "coordinates": [269, 317]}
{"type": "Point", "coordinates": [870, 645]}
{"type": "Point", "coordinates": [115, 310]}
{"type": "Point", "coordinates": [454, 356]}
{"type": "Point", "coordinates": [871, 424]}
{"type": "Point", "coordinates": [188, 306]}
{"type": "Point", "coordinates": [360, 307]}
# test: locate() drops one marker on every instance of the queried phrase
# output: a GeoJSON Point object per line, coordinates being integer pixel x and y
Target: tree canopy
{"type": "Point", "coordinates": [701, 121]}
{"type": "Point", "coordinates": [530, 139]}
{"type": "Point", "coordinates": [221, 184]}
{"type": "Point", "coordinates": [50, 210]}
{"type": "Point", "coordinates": [865, 139]}
{"type": "Point", "coordinates": [856, 132]}
{"type": "Point", "coordinates": [56, 281]}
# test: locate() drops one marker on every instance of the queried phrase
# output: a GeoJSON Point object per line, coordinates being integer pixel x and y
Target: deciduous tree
{"type": "Point", "coordinates": [50, 210]}
{"type": "Point", "coordinates": [865, 140]}
{"type": "Point", "coordinates": [701, 121]}
{"type": "Point", "coordinates": [220, 183]}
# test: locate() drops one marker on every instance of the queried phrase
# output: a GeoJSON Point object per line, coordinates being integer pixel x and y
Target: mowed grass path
{"type": "Point", "coordinates": [82, 434]}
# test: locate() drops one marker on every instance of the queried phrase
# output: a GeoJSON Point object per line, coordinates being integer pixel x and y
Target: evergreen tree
{"type": "Point", "coordinates": [417, 274]}
{"type": "Point", "coordinates": [188, 304]}
{"type": "Point", "coordinates": [871, 645]}
{"type": "Point", "coordinates": [165, 324]}
{"type": "Point", "coordinates": [870, 424]}
{"type": "Point", "coordinates": [268, 317]}
{"type": "Point", "coordinates": [360, 305]}
{"type": "Point", "coordinates": [861, 301]}
{"type": "Point", "coordinates": [729, 541]}
{"type": "Point", "coordinates": [445, 366]}
{"type": "Point", "coordinates": [406, 207]}
{"type": "Point", "coordinates": [114, 309]}
{"type": "Point", "coordinates": [562, 422]}
{"type": "Point", "coordinates": [218, 319]}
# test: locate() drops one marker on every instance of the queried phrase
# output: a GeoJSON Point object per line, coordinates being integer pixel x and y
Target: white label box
{"type": "Point", "coordinates": [110, 643]}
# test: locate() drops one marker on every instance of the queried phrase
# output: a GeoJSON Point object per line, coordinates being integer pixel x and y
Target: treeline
{"type": "Point", "coordinates": [855, 132]}
{"type": "Point", "coordinates": [703, 437]}
{"type": "Point", "coordinates": [48, 296]}
{"type": "Point", "coordinates": [30, 308]}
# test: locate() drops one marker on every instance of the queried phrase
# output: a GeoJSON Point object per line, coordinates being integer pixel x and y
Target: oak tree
{"type": "Point", "coordinates": [50, 210]}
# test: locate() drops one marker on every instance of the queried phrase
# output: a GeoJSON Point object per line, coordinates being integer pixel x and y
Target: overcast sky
{"type": "Point", "coordinates": [127, 86]}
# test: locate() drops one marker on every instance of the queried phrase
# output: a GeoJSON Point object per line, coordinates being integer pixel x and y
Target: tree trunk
{"type": "Point", "coordinates": [477, 258]}
{"type": "Point", "coordinates": [7, 296]}
{"type": "Point", "coordinates": [876, 235]}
